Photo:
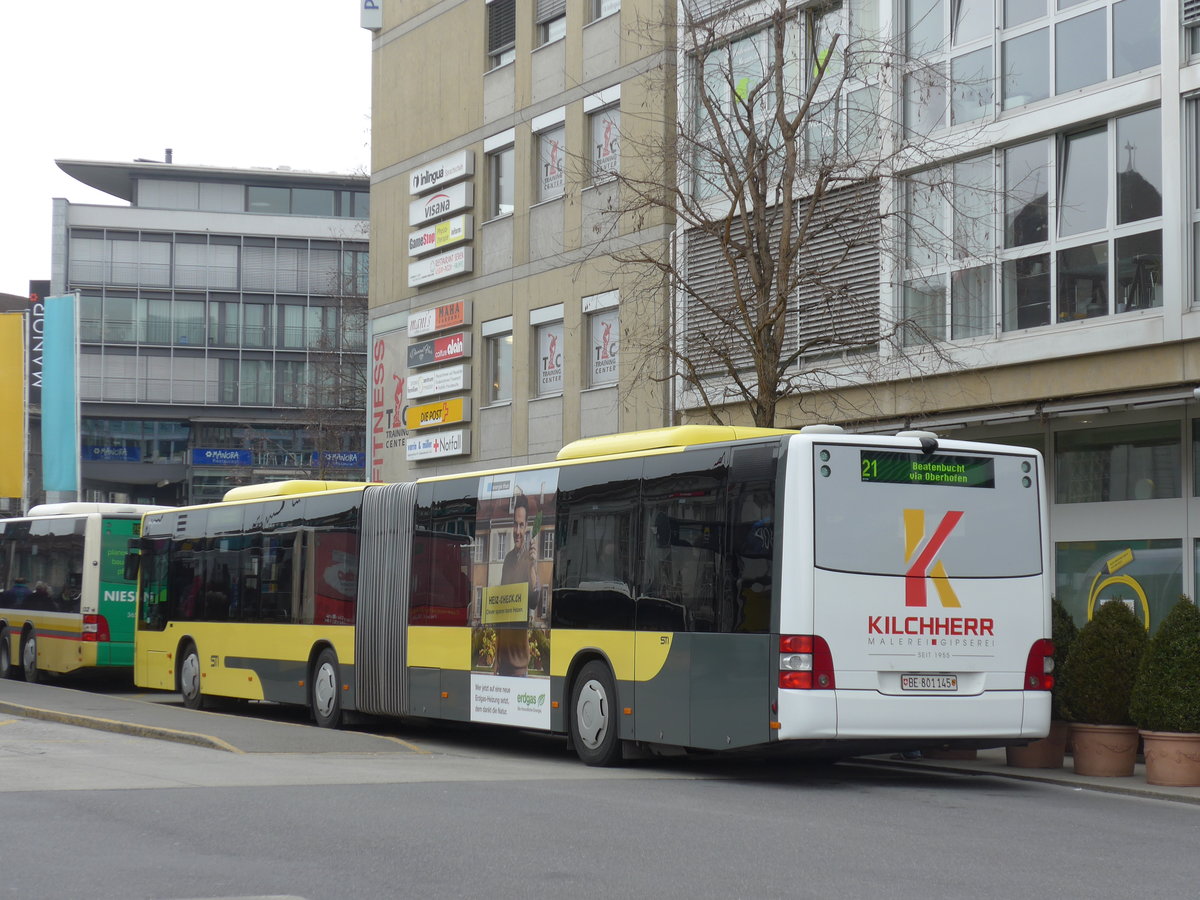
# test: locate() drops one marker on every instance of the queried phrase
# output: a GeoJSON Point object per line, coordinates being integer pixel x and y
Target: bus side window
{"type": "Point", "coordinates": [595, 545]}
{"type": "Point", "coordinates": [684, 543]}
{"type": "Point", "coordinates": [748, 602]}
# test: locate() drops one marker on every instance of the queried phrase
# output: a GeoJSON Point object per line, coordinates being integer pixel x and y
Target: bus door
{"type": "Point", "coordinates": [703, 675]}
{"type": "Point", "coordinates": [116, 593]}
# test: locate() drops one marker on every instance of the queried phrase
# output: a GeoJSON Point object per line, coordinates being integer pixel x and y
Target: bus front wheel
{"type": "Point", "coordinates": [594, 716]}
{"type": "Point", "coordinates": [189, 678]}
{"type": "Point", "coordinates": [325, 696]}
{"type": "Point", "coordinates": [29, 659]}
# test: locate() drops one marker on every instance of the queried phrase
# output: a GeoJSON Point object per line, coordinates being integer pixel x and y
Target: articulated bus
{"type": "Point", "coordinates": [702, 587]}
{"type": "Point", "coordinates": [65, 603]}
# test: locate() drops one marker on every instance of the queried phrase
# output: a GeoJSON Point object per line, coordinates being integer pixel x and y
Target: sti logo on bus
{"type": "Point", "coordinates": [925, 564]}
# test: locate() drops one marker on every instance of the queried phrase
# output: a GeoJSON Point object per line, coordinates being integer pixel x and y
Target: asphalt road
{"type": "Point", "coordinates": [495, 813]}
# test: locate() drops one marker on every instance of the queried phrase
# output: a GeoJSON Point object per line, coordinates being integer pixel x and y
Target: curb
{"type": "Point", "coordinates": [116, 727]}
{"type": "Point", "coordinates": [1146, 793]}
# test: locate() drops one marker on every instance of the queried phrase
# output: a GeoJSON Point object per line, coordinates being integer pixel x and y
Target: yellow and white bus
{"type": "Point", "coordinates": [65, 603]}
{"type": "Point", "coordinates": [700, 587]}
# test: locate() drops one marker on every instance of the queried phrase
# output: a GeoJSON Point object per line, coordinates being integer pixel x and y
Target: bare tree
{"type": "Point", "coordinates": [334, 395]}
{"type": "Point", "coordinates": [777, 171]}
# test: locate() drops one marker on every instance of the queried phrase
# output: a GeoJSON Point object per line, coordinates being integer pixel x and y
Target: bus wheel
{"type": "Point", "coordinates": [593, 716]}
{"type": "Point", "coordinates": [5, 656]}
{"type": "Point", "coordinates": [189, 678]}
{"type": "Point", "coordinates": [29, 658]}
{"type": "Point", "coordinates": [325, 696]}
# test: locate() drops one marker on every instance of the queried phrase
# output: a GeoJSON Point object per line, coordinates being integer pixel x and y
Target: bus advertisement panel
{"type": "Point", "coordinates": [511, 627]}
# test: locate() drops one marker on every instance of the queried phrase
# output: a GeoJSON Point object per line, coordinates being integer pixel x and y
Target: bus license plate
{"type": "Point", "coordinates": [929, 682]}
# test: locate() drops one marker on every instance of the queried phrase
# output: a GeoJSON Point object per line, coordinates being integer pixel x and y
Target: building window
{"type": "Point", "coordinates": [499, 356]}
{"type": "Point", "coordinates": [598, 9]}
{"type": "Point", "coordinates": [1041, 49]}
{"type": "Point", "coordinates": [604, 128]}
{"type": "Point", "coordinates": [501, 33]}
{"type": "Point", "coordinates": [949, 284]}
{"type": "Point", "coordinates": [1127, 462]}
{"type": "Point", "coordinates": [551, 20]}
{"type": "Point", "coordinates": [604, 333]}
{"type": "Point", "coordinates": [355, 273]}
{"type": "Point", "coordinates": [500, 182]}
{"type": "Point", "coordinates": [257, 383]}
{"type": "Point", "coordinates": [1085, 264]}
{"type": "Point", "coordinates": [551, 161]}
{"type": "Point", "coordinates": [270, 200]}
{"type": "Point", "coordinates": [1081, 235]}
{"type": "Point", "coordinates": [549, 359]}
{"type": "Point", "coordinates": [224, 323]}
{"type": "Point", "coordinates": [499, 545]}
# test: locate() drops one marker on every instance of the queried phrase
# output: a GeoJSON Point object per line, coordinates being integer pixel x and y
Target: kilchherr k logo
{"type": "Point", "coordinates": [926, 565]}
{"type": "Point", "coordinates": [921, 551]}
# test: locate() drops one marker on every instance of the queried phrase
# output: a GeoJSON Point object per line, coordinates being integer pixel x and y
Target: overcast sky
{"type": "Point", "coordinates": [241, 83]}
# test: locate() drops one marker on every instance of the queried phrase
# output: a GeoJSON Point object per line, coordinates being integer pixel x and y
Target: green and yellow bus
{"type": "Point", "coordinates": [710, 588]}
{"type": "Point", "coordinates": [65, 603]}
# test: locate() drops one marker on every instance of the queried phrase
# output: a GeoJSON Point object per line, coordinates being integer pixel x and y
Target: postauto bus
{"type": "Point", "coordinates": [65, 603]}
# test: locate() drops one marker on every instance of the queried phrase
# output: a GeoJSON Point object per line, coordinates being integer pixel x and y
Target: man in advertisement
{"type": "Point", "coordinates": [520, 567]}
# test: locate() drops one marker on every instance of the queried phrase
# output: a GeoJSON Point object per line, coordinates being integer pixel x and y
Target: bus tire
{"type": "Point", "coordinates": [189, 677]}
{"type": "Point", "coordinates": [325, 695]}
{"type": "Point", "coordinates": [29, 664]}
{"type": "Point", "coordinates": [6, 669]}
{"type": "Point", "coordinates": [593, 720]}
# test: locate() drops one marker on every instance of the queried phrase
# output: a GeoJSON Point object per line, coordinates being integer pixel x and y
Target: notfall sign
{"type": "Point", "coordinates": [437, 445]}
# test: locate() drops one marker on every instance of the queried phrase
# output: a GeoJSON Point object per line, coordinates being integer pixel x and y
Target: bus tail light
{"type": "Point", "coordinates": [95, 629]}
{"type": "Point", "coordinates": [805, 663]}
{"type": "Point", "coordinates": [1039, 667]}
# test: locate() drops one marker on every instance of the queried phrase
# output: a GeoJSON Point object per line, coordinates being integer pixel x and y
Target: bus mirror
{"type": "Point", "coordinates": [132, 562]}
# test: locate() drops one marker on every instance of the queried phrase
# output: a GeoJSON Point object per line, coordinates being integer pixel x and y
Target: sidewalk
{"type": "Point", "coordinates": [159, 716]}
{"type": "Point", "coordinates": [992, 762]}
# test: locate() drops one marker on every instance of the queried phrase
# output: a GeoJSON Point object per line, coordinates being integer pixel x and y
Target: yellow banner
{"type": "Point", "coordinates": [427, 415]}
{"type": "Point", "coordinates": [506, 604]}
{"type": "Point", "coordinates": [12, 404]}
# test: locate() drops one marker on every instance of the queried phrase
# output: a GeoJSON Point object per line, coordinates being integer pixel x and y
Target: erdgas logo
{"type": "Point", "coordinates": [925, 563]}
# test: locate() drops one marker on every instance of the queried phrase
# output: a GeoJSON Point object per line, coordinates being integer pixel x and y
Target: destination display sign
{"type": "Point", "coordinates": [892, 467]}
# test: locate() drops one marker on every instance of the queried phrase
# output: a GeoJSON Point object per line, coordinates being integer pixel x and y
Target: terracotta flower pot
{"type": "Point", "coordinates": [1109, 751]}
{"type": "Point", "coordinates": [1172, 758]}
{"type": "Point", "coordinates": [1048, 753]}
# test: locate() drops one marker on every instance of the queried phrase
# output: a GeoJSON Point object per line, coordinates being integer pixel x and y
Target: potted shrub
{"type": "Point", "coordinates": [1097, 683]}
{"type": "Point", "coordinates": [1049, 752]}
{"type": "Point", "coordinates": [1166, 699]}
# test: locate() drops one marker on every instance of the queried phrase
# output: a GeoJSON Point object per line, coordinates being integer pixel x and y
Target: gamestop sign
{"type": "Point", "coordinates": [435, 268]}
{"type": "Point", "coordinates": [442, 234]}
{"type": "Point", "coordinates": [453, 199]}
